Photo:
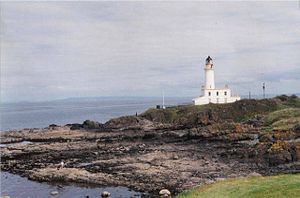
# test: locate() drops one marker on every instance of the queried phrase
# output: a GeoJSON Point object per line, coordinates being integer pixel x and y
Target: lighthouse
{"type": "Point", "coordinates": [209, 92]}
{"type": "Point", "coordinates": [209, 74]}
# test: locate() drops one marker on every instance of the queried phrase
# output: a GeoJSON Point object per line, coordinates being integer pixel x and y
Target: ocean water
{"type": "Point", "coordinates": [61, 112]}
{"type": "Point", "coordinates": [42, 114]}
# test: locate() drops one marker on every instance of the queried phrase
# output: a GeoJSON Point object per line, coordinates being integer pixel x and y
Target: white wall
{"type": "Point", "coordinates": [209, 79]}
{"type": "Point", "coordinates": [215, 96]}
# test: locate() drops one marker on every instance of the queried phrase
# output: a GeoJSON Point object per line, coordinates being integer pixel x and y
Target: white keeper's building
{"type": "Point", "coordinates": [209, 93]}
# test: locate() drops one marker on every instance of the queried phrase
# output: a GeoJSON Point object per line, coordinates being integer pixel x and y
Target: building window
{"type": "Point", "coordinates": [208, 93]}
{"type": "Point", "coordinates": [225, 100]}
{"type": "Point", "coordinates": [217, 100]}
{"type": "Point", "coordinates": [225, 93]}
{"type": "Point", "coordinates": [209, 100]}
{"type": "Point", "coordinates": [217, 93]}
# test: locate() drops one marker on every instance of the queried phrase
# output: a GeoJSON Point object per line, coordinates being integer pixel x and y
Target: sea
{"type": "Point", "coordinates": [61, 112]}
{"type": "Point", "coordinates": [21, 115]}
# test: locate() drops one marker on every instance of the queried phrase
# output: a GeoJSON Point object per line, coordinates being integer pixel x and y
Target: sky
{"type": "Point", "coordinates": [55, 50]}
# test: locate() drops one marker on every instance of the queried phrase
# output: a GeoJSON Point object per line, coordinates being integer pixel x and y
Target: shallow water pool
{"type": "Point", "coordinates": [20, 187]}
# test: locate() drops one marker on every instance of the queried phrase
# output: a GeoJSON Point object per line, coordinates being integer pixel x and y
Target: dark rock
{"type": "Point", "coordinates": [255, 122]}
{"type": "Point", "coordinates": [297, 129]}
{"type": "Point", "coordinates": [75, 126]}
{"type": "Point", "coordinates": [279, 153]}
{"type": "Point", "coordinates": [122, 122]}
{"type": "Point", "coordinates": [268, 137]}
{"type": "Point", "coordinates": [89, 124]}
{"type": "Point", "coordinates": [279, 157]}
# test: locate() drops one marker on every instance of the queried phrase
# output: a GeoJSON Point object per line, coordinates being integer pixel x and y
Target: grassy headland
{"type": "Point", "coordinates": [281, 112]}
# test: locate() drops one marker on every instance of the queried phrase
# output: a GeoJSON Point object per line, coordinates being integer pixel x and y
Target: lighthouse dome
{"type": "Point", "coordinates": [208, 60]}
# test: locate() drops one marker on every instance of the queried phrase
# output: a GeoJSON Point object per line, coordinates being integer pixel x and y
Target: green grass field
{"type": "Point", "coordinates": [281, 186]}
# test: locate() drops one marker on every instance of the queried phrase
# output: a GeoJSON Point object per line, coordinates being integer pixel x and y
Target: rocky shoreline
{"type": "Point", "coordinates": [154, 151]}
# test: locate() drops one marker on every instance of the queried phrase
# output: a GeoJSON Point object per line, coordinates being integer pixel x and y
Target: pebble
{"type": "Point", "coordinates": [105, 194]}
{"type": "Point", "coordinates": [165, 193]}
{"type": "Point", "coordinates": [175, 157]}
{"type": "Point", "coordinates": [54, 193]}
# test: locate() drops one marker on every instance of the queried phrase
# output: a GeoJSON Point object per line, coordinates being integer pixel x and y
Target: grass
{"type": "Point", "coordinates": [283, 186]}
{"type": "Point", "coordinates": [282, 112]}
{"type": "Point", "coordinates": [283, 119]}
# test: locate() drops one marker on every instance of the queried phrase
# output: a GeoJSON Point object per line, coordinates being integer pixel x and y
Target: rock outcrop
{"type": "Point", "coordinates": [175, 149]}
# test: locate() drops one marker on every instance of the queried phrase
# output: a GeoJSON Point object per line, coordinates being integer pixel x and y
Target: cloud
{"type": "Point", "coordinates": [54, 50]}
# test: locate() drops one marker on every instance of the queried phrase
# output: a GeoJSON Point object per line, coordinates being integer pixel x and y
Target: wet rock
{"type": "Point", "coordinates": [164, 193]}
{"type": "Point", "coordinates": [60, 186]}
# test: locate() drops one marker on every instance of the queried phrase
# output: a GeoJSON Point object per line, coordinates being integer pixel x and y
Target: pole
{"type": "Point", "coordinates": [249, 94]}
{"type": "Point", "coordinates": [264, 87]}
{"type": "Point", "coordinates": [163, 100]}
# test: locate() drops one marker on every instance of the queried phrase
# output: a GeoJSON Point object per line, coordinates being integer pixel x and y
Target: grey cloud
{"type": "Point", "coordinates": [60, 49]}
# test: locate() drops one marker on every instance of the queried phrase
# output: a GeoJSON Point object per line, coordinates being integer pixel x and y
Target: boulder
{"type": "Point", "coordinates": [89, 124]}
{"type": "Point", "coordinates": [164, 193]}
{"type": "Point", "coordinates": [123, 122]}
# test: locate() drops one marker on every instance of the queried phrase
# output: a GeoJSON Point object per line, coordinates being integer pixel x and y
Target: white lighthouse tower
{"type": "Point", "coordinates": [209, 74]}
{"type": "Point", "coordinates": [209, 93]}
